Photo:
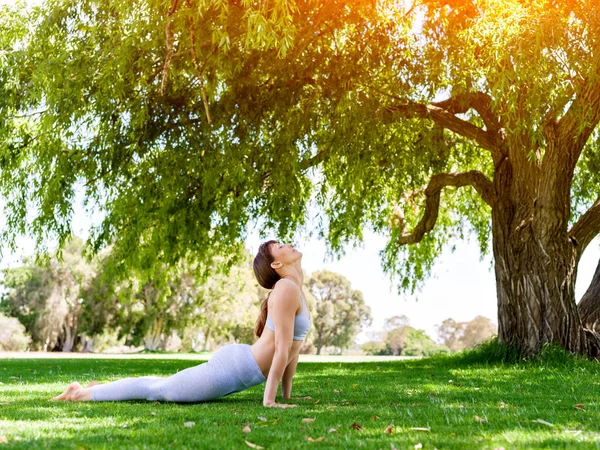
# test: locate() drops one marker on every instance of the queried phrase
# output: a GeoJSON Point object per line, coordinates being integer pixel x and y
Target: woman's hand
{"type": "Point", "coordinates": [278, 405]}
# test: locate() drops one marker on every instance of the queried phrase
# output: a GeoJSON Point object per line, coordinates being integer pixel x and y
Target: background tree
{"type": "Point", "coordinates": [450, 333]}
{"type": "Point", "coordinates": [396, 338]}
{"type": "Point", "coordinates": [395, 322]}
{"type": "Point", "coordinates": [13, 336]}
{"type": "Point", "coordinates": [401, 339]}
{"type": "Point", "coordinates": [418, 343]}
{"type": "Point", "coordinates": [461, 335]}
{"type": "Point", "coordinates": [47, 299]}
{"type": "Point", "coordinates": [227, 307]}
{"type": "Point", "coordinates": [423, 122]}
{"type": "Point", "coordinates": [477, 331]}
{"type": "Point", "coordinates": [340, 311]}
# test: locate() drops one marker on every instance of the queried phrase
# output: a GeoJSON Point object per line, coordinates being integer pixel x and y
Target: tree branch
{"type": "Point", "coordinates": [474, 178]}
{"type": "Point", "coordinates": [587, 227]}
{"type": "Point", "coordinates": [578, 123]}
{"type": "Point", "coordinates": [447, 119]}
{"type": "Point", "coordinates": [480, 102]}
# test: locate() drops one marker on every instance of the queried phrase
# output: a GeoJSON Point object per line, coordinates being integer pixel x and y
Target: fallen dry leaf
{"type": "Point", "coordinates": [543, 422]}
{"type": "Point", "coordinates": [264, 419]}
{"type": "Point", "coordinates": [337, 391]}
{"type": "Point", "coordinates": [577, 432]}
{"type": "Point", "coordinates": [579, 406]}
{"type": "Point", "coordinates": [153, 413]}
{"type": "Point", "coordinates": [354, 385]}
{"type": "Point", "coordinates": [3, 440]}
{"type": "Point", "coordinates": [499, 448]}
{"type": "Point", "coordinates": [461, 406]}
{"type": "Point", "coordinates": [250, 444]}
{"type": "Point", "coordinates": [418, 446]}
{"type": "Point", "coordinates": [246, 429]}
{"type": "Point", "coordinates": [317, 401]}
{"type": "Point", "coordinates": [389, 429]}
{"type": "Point", "coordinates": [308, 397]}
{"type": "Point", "coordinates": [479, 419]}
{"type": "Point", "coordinates": [309, 419]}
{"type": "Point", "coordinates": [331, 407]}
{"type": "Point", "coordinates": [314, 440]}
{"type": "Point", "coordinates": [501, 405]}
{"type": "Point", "coordinates": [374, 417]}
{"type": "Point", "coordinates": [189, 424]}
{"type": "Point", "coordinates": [356, 426]}
{"type": "Point", "coordinates": [420, 429]}
{"type": "Point", "coordinates": [332, 430]}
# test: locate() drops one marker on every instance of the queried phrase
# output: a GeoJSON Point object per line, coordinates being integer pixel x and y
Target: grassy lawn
{"type": "Point", "coordinates": [457, 402]}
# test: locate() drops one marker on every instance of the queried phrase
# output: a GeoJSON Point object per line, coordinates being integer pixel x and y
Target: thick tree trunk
{"type": "Point", "coordinates": [206, 338]}
{"type": "Point", "coordinates": [589, 306]}
{"type": "Point", "coordinates": [536, 265]}
{"type": "Point", "coordinates": [154, 336]}
{"type": "Point", "coordinates": [589, 311]}
{"type": "Point", "coordinates": [536, 297]}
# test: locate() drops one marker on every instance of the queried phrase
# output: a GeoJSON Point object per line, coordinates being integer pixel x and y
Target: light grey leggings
{"type": "Point", "coordinates": [231, 369]}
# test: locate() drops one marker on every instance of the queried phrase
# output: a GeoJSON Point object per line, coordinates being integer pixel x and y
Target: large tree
{"type": "Point", "coordinates": [339, 313]}
{"type": "Point", "coordinates": [183, 120]}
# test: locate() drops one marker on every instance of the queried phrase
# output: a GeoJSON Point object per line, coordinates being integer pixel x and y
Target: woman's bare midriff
{"type": "Point", "coordinates": [263, 349]}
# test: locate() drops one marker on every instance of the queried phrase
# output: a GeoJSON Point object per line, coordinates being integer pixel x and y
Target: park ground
{"type": "Point", "coordinates": [472, 400]}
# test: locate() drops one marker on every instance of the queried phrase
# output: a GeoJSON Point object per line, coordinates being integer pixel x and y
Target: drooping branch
{"type": "Point", "coordinates": [587, 227]}
{"type": "Point", "coordinates": [446, 119]}
{"type": "Point", "coordinates": [199, 69]}
{"type": "Point", "coordinates": [474, 178]}
{"type": "Point", "coordinates": [169, 38]}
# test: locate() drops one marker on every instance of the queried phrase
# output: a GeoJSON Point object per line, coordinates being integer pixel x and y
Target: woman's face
{"type": "Point", "coordinates": [283, 254]}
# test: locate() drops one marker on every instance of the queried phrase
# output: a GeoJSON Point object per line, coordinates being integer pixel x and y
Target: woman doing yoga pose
{"type": "Point", "coordinates": [282, 326]}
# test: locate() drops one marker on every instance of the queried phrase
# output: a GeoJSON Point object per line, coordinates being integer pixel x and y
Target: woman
{"type": "Point", "coordinates": [283, 323]}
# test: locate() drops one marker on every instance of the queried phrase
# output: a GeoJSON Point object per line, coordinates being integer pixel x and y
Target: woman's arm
{"type": "Point", "coordinates": [282, 310]}
{"type": "Point", "coordinates": [288, 375]}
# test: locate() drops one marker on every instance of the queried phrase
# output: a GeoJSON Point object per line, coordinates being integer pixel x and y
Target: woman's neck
{"type": "Point", "coordinates": [294, 274]}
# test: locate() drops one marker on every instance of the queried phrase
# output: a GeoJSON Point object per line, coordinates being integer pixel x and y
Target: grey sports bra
{"type": "Point", "coordinates": [302, 321]}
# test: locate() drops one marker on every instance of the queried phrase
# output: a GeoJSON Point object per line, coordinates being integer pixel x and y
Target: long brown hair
{"type": "Point", "coordinates": [266, 277]}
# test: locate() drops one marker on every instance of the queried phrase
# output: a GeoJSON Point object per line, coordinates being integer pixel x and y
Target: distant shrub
{"type": "Point", "coordinates": [419, 344]}
{"type": "Point", "coordinates": [13, 337]}
{"type": "Point", "coordinates": [376, 348]}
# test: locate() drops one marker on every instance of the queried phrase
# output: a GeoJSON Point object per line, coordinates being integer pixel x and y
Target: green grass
{"type": "Point", "coordinates": [465, 401]}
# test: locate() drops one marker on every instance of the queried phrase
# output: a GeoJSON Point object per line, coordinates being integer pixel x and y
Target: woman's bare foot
{"type": "Point", "coordinates": [92, 383]}
{"type": "Point", "coordinates": [75, 393]}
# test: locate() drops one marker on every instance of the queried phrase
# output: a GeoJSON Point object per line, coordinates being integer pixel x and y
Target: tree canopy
{"type": "Point", "coordinates": [184, 121]}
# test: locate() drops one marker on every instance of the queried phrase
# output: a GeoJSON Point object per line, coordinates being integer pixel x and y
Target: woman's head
{"type": "Point", "coordinates": [272, 256]}
{"type": "Point", "coordinates": [264, 273]}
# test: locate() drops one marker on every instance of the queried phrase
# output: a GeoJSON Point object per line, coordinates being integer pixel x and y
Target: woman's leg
{"type": "Point", "coordinates": [229, 370]}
